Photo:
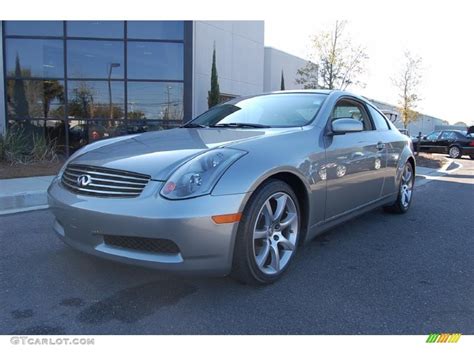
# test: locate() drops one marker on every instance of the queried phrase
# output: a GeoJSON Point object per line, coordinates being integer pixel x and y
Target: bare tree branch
{"type": "Point", "coordinates": [336, 62]}
{"type": "Point", "coordinates": [407, 82]}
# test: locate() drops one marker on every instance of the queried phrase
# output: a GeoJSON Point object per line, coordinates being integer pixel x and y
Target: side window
{"type": "Point", "coordinates": [432, 136]}
{"type": "Point", "coordinates": [352, 109]}
{"type": "Point", "coordinates": [379, 120]}
{"type": "Point", "coordinates": [448, 135]}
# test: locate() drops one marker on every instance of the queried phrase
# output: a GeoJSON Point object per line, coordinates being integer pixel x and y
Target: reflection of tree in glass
{"type": "Point", "coordinates": [52, 90]}
{"type": "Point", "coordinates": [20, 103]}
{"type": "Point", "coordinates": [29, 98]}
{"type": "Point", "coordinates": [84, 105]}
{"type": "Point", "coordinates": [136, 115]}
{"type": "Point", "coordinates": [81, 101]}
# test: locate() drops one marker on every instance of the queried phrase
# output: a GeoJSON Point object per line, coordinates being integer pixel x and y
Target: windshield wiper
{"type": "Point", "coordinates": [240, 125]}
{"type": "Point", "coordinates": [194, 125]}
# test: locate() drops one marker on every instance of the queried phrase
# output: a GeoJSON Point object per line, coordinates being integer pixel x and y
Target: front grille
{"type": "Point", "coordinates": [103, 182]}
{"type": "Point", "coordinates": [143, 244]}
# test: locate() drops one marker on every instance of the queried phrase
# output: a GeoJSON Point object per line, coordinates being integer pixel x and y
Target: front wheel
{"type": "Point", "coordinates": [268, 234]}
{"type": "Point", "coordinates": [405, 191]}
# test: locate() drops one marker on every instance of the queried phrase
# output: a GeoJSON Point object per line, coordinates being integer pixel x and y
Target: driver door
{"type": "Point", "coordinates": [355, 162]}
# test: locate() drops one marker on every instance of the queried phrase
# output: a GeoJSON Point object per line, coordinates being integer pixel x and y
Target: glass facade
{"type": "Point", "coordinates": [80, 81]}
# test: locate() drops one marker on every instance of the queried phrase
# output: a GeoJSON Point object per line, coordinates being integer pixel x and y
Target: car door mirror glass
{"type": "Point", "coordinates": [346, 125]}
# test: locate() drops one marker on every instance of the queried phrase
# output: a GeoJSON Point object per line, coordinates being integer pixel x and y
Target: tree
{"type": "Point", "coordinates": [337, 62]}
{"type": "Point", "coordinates": [52, 89]}
{"type": "Point", "coordinates": [407, 83]}
{"type": "Point", "coordinates": [460, 123]}
{"type": "Point", "coordinates": [20, 103]}
{"type": "Point", "coordinates": [282, 82]}
{"type": "Point", "coordinates": [214, 94]}
{"type": "Point", "coordinates": [308, 76]}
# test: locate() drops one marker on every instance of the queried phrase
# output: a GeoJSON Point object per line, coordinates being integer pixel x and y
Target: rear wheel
{"type": "Point", "coordinates": [405, 191]}
{"type": "Point", "coordinates": [471, 156]}
{"type": "Point", "coordinates": [268, 234]}
{"type": "Point", "coordinates": [454, 152]}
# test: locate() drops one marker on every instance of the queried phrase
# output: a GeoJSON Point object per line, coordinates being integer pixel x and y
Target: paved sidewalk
{"type": "Point", "coordinates": [23, 194]}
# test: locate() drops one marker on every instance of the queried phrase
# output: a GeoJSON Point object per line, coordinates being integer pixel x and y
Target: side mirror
{"type": "Point", "coordinates": [346, 125]}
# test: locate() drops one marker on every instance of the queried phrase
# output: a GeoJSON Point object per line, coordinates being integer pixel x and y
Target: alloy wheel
{"type": "Point", "coordinates": [454, 152]}
{"type": "Point", "coordinates": [275, 233]}
{"type": "Point", "coordinates": [406, 187]}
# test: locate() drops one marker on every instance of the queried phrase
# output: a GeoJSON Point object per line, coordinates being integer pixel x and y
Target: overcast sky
{"type": "Point", "coordinates": [442, 35]}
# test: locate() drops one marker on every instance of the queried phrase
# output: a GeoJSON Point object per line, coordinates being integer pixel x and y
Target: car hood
{"type": "Point", "coordinates": [158, 153]}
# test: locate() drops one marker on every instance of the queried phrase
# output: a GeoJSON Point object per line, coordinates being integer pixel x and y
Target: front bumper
{"type": "Point", "coordinates": [204, 247]}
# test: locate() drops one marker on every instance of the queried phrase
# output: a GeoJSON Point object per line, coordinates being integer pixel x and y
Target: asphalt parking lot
{"type": "Point", "coordinates": [378, 274]}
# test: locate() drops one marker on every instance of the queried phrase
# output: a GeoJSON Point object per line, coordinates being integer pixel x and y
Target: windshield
{"type": "Point", "coordinates": [279, 110]}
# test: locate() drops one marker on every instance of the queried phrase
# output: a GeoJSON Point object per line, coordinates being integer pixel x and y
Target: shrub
{"type": "Point", "coordinates": [18, 147]}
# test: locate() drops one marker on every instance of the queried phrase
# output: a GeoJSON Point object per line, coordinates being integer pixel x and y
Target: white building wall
{"type": "Point", "coordinates": [424, 123]}
{"type": "Point", "coordinates": [239, 59]}
{"type": "Point", "coordinates": [275, 62]}
{"type": "Point", "coordinates": [2, 92]}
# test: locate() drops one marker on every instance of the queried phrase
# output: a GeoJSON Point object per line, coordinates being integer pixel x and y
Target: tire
{"type": "Point", "coordinates": [471, 156]}
{"type": "Point", "coordinates": [455, 152]}
{"type": "Point", "coordinates": [405, 191]}
{"type": "Point", "coordinates": [264, 248]}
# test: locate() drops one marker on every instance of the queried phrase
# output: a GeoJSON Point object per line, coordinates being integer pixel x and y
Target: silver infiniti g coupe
{"type": "Point", "coordinates": [236, 190]}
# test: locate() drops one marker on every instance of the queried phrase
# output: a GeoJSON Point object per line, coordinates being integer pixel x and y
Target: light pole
{"type": "Point", "coordinates": [168, 88]}
{"type": "Point", "coordinates": [111, 66]}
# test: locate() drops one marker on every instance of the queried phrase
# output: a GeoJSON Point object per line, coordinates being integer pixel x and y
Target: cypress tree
{"type": "Point", "coordinates": [282, 83]}
{"type": "Point", "coordinates": [213, 94]}
{"type": "Point", "coordinates": [20, 103]}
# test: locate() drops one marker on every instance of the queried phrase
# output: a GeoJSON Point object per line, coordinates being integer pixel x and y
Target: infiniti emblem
{"type": "Point", "coordinates": [84, 180]}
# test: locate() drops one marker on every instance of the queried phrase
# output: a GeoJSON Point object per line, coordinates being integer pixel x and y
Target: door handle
{"type": "Point", "coordinates": [380, 146]}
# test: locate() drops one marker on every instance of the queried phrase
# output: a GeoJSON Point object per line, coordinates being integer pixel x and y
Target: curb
{"type": "Point", "coordinates": [432, 175]}
{"type": "Point", "coordinates": [26, 201]}
{"type": "Point", "coordinates": [24, 194]}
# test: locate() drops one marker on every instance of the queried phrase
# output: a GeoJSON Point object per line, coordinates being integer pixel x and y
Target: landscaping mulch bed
{"type": "Point", "coordinates": [8, 171]}
{"type": "Point", "coordinates": [430, 161]}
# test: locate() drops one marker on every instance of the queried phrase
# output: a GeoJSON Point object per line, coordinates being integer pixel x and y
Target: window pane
{"type": "Point", "coordinates": [149, 60]}
{"type": "Point", "coordinates": [34, 28]}
{"type": "Point", "coordinates": [171, 30]}
{"type": "Point", "coordinates": [35, 130]}
{"type": "Point", "coordinates": [379, 120]}
{"type": "Point", "coordinates": [34, 58]}
{"type": "Point", "coordinates": [104, 29]}
{"type": "Point", "coordinates": [95, 59]}
{"type": "Point", "coordinates": [35, 99]}
{"type": "Point", "coordinates": [90, 99]}
{"type": "Point", "coordinates": [82, 132]}
{"type": "Point", "coordinates": [159, 101]}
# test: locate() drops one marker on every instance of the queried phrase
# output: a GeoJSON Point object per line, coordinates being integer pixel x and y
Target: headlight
{"type": "Point", "coordinates": [198, 176]}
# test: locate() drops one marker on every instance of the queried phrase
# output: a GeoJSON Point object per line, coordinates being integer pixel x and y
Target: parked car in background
{"type": "Point", "coordinates": [238, 189]}
{"type": "Point", "coordinates": [454, 143]}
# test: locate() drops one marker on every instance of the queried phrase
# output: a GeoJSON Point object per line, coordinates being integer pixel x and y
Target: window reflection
{"type": "Point", "coordinates": [93, 99]}
{"type": "Point", "coordinates": [150, 60]}
{"type": "Point", "coordinates": [159, 101]}
{"type": "Point", "coordinates": [82, 132]}
{"type": "Point", "coordinates": [95, 59]}
{"type": "Point", "coordinates": [34, 28]}
{"type": "Point", "coordinates": [101, 29]}
{"type": "Point", "coordinates": [171, 30]}
{"type": "Point", "coordinates": [95, 107]}
{"type": "Point", "coordinates": [52, 130]}
{"type": "Point", "coordinates": [34, 58]}
{"type": "Point", "coordinates": [35, 98]}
